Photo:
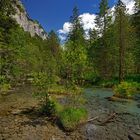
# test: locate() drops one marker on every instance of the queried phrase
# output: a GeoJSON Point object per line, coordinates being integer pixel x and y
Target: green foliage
{"type": "Point", "coordinates": [5, 87]}
{"type": "Point", "coordinates": [2, 79]}
{"type": "Point", "coordinates": [133, 78]}
{"type": "Point", "coordinates": [42, 80]}
{"type": "Point", "coordinates": [109, 83]}
{"type": "Point", "coordinates": [51, 108]}
{"type": "Point", "coordinates": [80, 61]}
{"type": "Point", "coordinates": [71, 117]}
{"type": "Point", "coordinates": [59, 90]}
{"type": "Point", "coordinates": [75, 53]}
{"type": "Point", "coordinates": [126, 89]}
{"type": "Point", "coordinates": [91, 77]}
{"type": "Point", "coordinates": [53, 43]}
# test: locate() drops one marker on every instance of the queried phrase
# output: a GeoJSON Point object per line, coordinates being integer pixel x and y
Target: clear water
{"type": "Point", "coordinates": [100, 95]}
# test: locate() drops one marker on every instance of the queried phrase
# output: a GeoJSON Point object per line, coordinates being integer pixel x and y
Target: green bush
{"type": "Point", "coordinates": [126, 89]}
{"type": "Point", "coordinates": [5, 87]}
{"type": "Point", "coordinates": [91, 78]}
{"type": "Point", "coordinates": [51, 108]}
{"type": "Point", "coordinates": [109, 83]}
{"type": "Point", "coordinates": [58, 90]}
{"type": "Point", "coordinates": [71, 117]}
{"type": "Point", "coordinates": [133, 78]}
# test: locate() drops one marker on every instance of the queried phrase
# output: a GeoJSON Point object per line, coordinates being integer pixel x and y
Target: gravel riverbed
{"type": "Point", "coordinates": [17, 122]}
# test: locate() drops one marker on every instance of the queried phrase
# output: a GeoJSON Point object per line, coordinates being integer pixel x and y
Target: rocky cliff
{"type": "Point", "coordinates": [29, 25]}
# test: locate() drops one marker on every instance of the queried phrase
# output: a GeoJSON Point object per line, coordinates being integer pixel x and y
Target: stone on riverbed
{"type": "Point", "coordinates": [90, 131]}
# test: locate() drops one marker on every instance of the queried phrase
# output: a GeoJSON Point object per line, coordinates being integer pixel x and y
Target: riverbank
{"type": "Point", "coordinates": [20, 120]}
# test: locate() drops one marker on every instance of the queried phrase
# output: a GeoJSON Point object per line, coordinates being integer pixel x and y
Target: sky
{"type": "Point", "coordinates": [55, 14]}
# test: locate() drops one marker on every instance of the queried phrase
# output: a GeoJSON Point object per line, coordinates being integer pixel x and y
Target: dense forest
{"type": "Point", "coordinates": [109, 57]}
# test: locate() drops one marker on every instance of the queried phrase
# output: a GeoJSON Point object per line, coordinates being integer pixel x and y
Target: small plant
{"type": "Point", "coordinates": [71, 117]}
{"type": "Point", "coordinates": [51, 108]}
{"type": "Point", "coordinates": [4, 85]}
{"type": "Point", "coordinates": [109, 83]}
{"type": "Point", "coordinates": [126, 89]}
{"type": "Point", "coordinates": [43, 82]}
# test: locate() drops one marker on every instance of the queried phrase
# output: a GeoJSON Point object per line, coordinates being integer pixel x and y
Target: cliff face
{"type": "Point", "coordinates": [29, 25]}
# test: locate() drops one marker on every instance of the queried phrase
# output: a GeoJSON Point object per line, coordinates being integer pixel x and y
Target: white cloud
{"type": "Point", "coordinates": [126, 1]}
{"type": "Point", "coordinates": [66, 28]}
{"type": "Point", "coordinates": [63, 32]}
{"type": "Point", "coordinates": [129, 5]}
{"type": "Point", "coordinates": [88, 20]}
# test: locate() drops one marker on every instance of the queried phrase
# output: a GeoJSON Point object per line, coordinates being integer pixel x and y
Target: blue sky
{"type": "Point", "coordinates": [55, 14]}
{"type": "Point", "coordinates": [52, 14]}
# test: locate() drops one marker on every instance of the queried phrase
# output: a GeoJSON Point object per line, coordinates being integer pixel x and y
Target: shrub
{"type": "Point", "coordinates": [109, 83]}
{"type": "Point", "coordinates": [133, 78]}
{"type": "Point", "coordinates": [91, 77]}
{"type": "Point", "coordinates": [126, 89]}
{"type": "Point", "coordinates": [51, 108]}
{"type": "Point", "coordinates": [5, 87]}
{"type": "Point", "coordinates": [58, 90]}
{"type": "Point", "coordinates": [71, 117]}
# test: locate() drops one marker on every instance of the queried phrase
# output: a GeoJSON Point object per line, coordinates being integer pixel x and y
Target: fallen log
{"type": "Point", "coordinates": [108, 119]}
{"type": "Point", "coordinates": [92, 119]}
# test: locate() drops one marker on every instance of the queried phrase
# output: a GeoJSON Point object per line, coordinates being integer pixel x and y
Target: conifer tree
{"type": "Point", "coordinates": [76, 50]}
{"type": "Point", "coordinates": [136, 25]}
{"type": "Point", "coordinates": [103, 22]}
{"type": "Point", "coordinates": [53, 43]}
{"type": "Point", "coordinates": [122, 27]}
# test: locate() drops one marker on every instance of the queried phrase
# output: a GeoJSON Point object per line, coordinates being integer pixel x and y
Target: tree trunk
{"type": "Point", "coordinates": [121, 50]}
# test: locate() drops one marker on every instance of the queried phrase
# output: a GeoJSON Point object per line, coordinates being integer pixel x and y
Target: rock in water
{"type": "Point", "coordinates": [90, 131]}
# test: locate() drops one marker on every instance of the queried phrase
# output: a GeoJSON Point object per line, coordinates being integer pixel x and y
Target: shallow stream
{"type": "Point", "coordinates": [124, 126]}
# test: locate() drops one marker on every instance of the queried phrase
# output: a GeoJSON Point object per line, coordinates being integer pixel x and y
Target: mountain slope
{"type": "Point", "coordinates": [29, 25]}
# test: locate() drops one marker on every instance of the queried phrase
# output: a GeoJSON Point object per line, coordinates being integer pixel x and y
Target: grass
{"type": "Point", "coordinates": [71, 117]}
{"type": "Point", "coordinates": [62, 90]}
{"type": "Point", "coordinates": [58, 90]}
{"type": "Point", "coordinates": [126, 89]}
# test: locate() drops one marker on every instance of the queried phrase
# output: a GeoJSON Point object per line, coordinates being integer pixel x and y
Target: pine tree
{"type": "Point", "coordinates": [75, 52]}
{"type": "Point", "coordinates": [53, 43]}
{"type": "Point", "coordinates": [103, 22]}
{"type": "Point", "coordinates": [122, 36]}
{"type": "Point", "coordinates": [136, 25]}
{"type": "Point", "coordinates": [137, 5]}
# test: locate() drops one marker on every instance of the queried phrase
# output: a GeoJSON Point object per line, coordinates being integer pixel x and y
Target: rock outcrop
{"type": "Point", "coordinates": [29, 25]}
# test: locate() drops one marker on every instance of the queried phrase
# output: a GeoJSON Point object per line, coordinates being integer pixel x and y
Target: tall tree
{"type": "Point", "coordinates": [122, 36]}
{"type": "Point", "coordinates": [136, 25]}
{"type": "Point", "coordinates": [53, 43]}
{"type": "Point", "coordinates": [103, 22]}
{"type": "Point", "coordinates": [75, 51]}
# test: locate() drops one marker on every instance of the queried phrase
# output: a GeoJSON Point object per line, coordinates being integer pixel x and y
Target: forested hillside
{"type": "Point", "coordinates": [108, 57]}
{"type": "Point", "coordinates": [111, 52]}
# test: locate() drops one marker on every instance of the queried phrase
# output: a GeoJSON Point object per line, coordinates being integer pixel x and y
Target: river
{"type": "Point", "coordinates": [125, 125]}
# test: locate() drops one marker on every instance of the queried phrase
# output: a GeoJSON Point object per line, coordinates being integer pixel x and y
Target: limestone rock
{"type": "Point", "coordinates": [29, 25]}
